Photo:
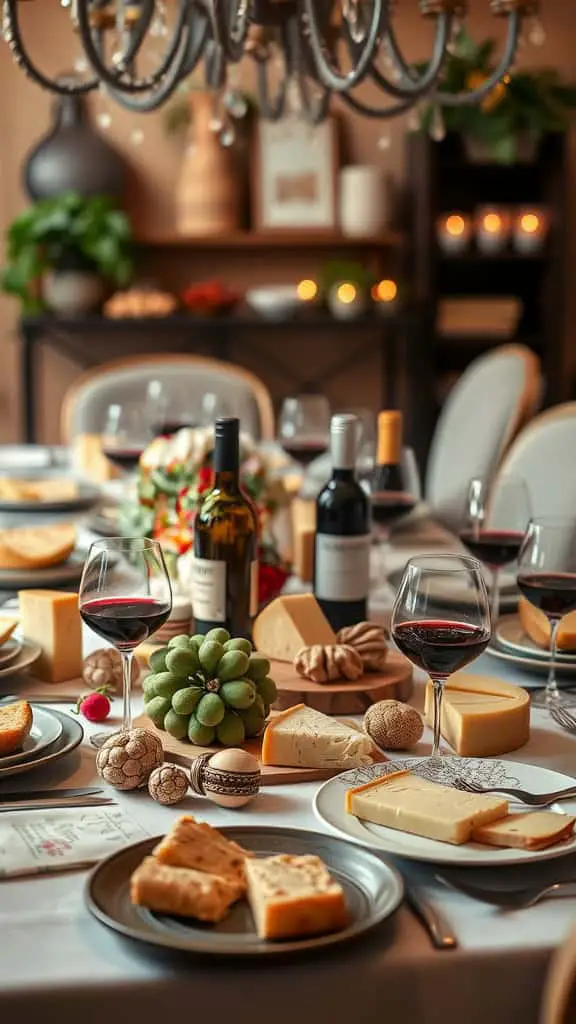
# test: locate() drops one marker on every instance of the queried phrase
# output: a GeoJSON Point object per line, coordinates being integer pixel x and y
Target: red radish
{"type": "Point", "coordinates": [96, 706]}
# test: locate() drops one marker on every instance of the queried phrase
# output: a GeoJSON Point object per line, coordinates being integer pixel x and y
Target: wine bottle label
{"type": "Point", "coordinates": [342, 567]}
{"type": "Point", "coordinates": [254, 587]}
{"type": "Point", "coordinates": [208, 580]}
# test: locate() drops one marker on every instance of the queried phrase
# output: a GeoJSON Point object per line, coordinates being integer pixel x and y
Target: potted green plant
{"type": "Point", "coordinates": [511, 121]}
{"type": "Point", "coordinates": [63, 253]}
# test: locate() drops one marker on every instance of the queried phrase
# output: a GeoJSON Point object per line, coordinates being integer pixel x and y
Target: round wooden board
{"type": "Point", "coordinates": [343, 698]}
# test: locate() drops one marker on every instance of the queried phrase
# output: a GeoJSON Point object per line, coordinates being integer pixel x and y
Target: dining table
{"type": "Point", "coordinates": [58, 963]}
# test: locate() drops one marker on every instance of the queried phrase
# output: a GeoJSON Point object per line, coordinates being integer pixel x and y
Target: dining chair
{"type": "Point", "coordinates": [493, 399]}
{"type": "Point", "coordinates": [559, 998]}
{"type": "Point", "coordinates": [543, 456]}
{"type": "Point", "coordinates": [241, 392]}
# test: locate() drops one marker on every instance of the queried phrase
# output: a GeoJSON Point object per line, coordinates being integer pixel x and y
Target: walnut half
{"type": "Point", "coordinates": [327, 664]}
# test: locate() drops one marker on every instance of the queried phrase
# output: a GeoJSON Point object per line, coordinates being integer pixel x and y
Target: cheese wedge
{"type": "Point", "coordinates": [410, 804]}
{"type": "Point", "coordinates": [90, 461]}
{"type": "Point", "coordinates": [536, 626]}
{"type": "Point", "coordinates": [15, 725]}
{"type": "Point", "coordinates": [291, 897]}
{"type": "Point", "coordinates": [181, 891]}
{"type": "Point", "coordinates": [305, 738]}
{"type": "Point", "coordinates": [481, 716]}
{"type": "Point", "coordinates": [52, 619]}
{"type": "Point", "coordinates": [192, 844]}
{"type": "Point", "coordinates": [7, 627]}
{"type": "Point", "coordinates": [288, 624]}
{"type": "Point", "coordinates": [303, 560]}
{"type": "Point", "coordinates": [534, 830]}
{"type": "Point", "coordinates": [36, 547]}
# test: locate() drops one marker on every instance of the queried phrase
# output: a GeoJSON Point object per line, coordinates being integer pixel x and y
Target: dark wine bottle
{"type": "Point", "coordinates": [225, 567]}
{"type": "Point", "coordinates": [342, 551]}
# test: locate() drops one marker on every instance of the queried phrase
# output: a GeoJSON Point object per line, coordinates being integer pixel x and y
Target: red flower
{"type": "Point", "coordinates": [271, 579]}
{"type": "Point", "coordinates": [204, 479]}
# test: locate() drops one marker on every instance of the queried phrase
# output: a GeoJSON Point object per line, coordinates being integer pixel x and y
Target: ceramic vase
{"type": "Point", "coordinates": [209, 189]}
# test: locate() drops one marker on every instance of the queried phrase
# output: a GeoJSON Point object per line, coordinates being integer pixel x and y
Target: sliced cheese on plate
{"type": "Point", "coordinates": [288, 624]}
{"type": "Point", "coordinates": [301, 737]}
{"type": "Point", "coordinates": [536, 626]}
{"type": "Point", "coordinates": [481, 716]}
{"type": "Point", "coordinates": [36, 547]}
{"type": "Point", "coordinates": [291, 897]}
{"type": "Point", "coordinates": [532, 830]}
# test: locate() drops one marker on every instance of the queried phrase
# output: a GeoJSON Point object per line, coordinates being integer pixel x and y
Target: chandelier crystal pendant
{"type": "Point", "coordinates": [316, 47]}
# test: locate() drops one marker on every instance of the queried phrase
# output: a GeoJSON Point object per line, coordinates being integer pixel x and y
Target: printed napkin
{"type": "Point", "coordinates": [35, 843]}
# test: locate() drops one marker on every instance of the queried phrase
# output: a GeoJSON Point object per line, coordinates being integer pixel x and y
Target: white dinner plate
{"type": "Point", "coordinates": [511, 637]}
{"type": "Point", "coordinates": [330, 798]}
{"type": "Point", "coordinates": [46, 729]}
{"type": "Point", "coordinates": [565, 671]}
{"type": "Point", "coordinates": [86, 498]}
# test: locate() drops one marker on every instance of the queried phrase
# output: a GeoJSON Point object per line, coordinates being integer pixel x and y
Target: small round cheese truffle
{"type": "Point", "coordinates": [393, 725]}
{"type": "Point", "coordinates": [168, 784]}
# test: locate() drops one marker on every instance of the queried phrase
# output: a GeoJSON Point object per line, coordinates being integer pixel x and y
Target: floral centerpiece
{"type": "Point", "coordinates": [173, 474]}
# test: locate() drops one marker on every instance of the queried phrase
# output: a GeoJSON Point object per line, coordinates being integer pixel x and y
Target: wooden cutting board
{"type": "Point", "coordinates": [272, 775]}
{"type": "Point", "coordinates": [343, 698]}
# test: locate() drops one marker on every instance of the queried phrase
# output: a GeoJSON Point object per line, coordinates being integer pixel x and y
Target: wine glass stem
{"type": "Point", "coordinates": [126, 688]}
{"type": "Point", "coordinates": [552, 691]}
{"type": "Point", "coordinates": [495, 597]}
{"type": "Point", "coordinates": [438, 685]}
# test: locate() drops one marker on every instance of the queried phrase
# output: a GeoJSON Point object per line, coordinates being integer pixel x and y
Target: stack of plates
{"type": "Point", "coordinates": [180, 621]}
{"type": "Point", "coordinates": [54, 734]}
{"type": "Point", "coordinates": [17, 655]}
{"type": "Point", "coordinates": [510, 643]}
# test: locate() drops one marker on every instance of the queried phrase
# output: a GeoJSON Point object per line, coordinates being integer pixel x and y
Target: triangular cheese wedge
{"type": "Point", "coordinates": [481, 716]}
{"type": "Point", "coordinates": [288, 624]}
{"type": "Point", "coordinates": [7, 627]}
{"type": "Point", "coordinates": [304, 738]}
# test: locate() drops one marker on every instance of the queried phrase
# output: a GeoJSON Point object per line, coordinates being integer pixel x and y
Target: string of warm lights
{"type": "Point", "coordinates": [316, 49]}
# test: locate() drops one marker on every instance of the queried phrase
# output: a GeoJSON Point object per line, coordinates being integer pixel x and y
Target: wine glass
{"type": "Point", "coordinates": [125, 596]}
{"type": "Point", "coordinates": [304, 427]}
{"type": "Point", "coordinates": [441, 621]}
{"type": "Point", "coordinates": [169, 408]}
{"type": "Point", "coordinates": [547, 579]}
{"type": "Point", "coordinates": [126, 434]}
{"type": "Point", "coordinates": [388, 506]}
{"type": "Point", "coordinates": [214, 407]}
{"type": "Point", "coordinates": [496, 519]}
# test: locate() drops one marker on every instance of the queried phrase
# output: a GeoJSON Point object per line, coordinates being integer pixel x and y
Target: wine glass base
{"type": "Point", "coordinates": [565, 698]}
{"type": "Point", "coordinates": [99, 738]}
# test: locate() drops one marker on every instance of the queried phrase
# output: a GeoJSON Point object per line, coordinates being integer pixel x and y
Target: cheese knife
{"type": "Point", "coordinates": [441, 935]}
{"type": "Point", "coordinates": [48, 805]}
{"type": "Point", "coordinates": [19, 796]}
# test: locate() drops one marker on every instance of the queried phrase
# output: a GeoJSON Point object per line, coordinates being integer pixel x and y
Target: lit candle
{"type": "Point", "coordinates": [530, 229]}
{"type": "Point", "coordinates": [346, 300]}
{"type": "Point", "coordinates": [453, 231]}
{"type": "Point", "coordinates": [385, 296]}
{"type": "Point", "coordinates": [492, 229]}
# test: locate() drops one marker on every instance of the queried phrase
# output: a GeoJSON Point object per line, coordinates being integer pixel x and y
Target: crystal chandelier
{"type": "Point", "coordinates": [314, 49]}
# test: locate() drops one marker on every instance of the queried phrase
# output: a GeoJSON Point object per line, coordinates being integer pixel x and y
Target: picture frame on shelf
{"type": "Point", "coordinates": [295, 176]}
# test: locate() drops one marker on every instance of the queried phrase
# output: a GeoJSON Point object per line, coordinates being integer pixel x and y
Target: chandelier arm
{"type": "Point", "coordinates": [415, 87]}
{"type": "Point", "coordinates": [381, 113]}
{"type": "Point", "coordinates": [115, 79]}
{"type": "Point", "coordinates": [180, 69]}
{"type": "Point", "coordinates": [138, 32]}
{"type": "Point", "coordinates": [272, 110]}
{"type": "Point", "coordinates": [230, 33]}
{"type": "Point", "coordinates": [330, 76]}
{"type": "Point", "coordinates": [445, 99]}
{"type": "Point", "coordinates": [13, 38]}
{"type": "Point", "coordinates": [314, 109]}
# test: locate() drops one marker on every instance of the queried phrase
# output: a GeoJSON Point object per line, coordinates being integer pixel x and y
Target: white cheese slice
{"type": "Point", "coordinates": [304, 738]}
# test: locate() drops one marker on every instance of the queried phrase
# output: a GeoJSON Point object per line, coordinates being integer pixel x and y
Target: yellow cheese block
{"type": "Point", "coordinates": [52, 619]}
{"type": "Point", "coordinates": [303, 560]}
{"type": "Point", "coordinates": [291, 897]}
{"type": "Point", "coordinates": [406, 802]}
{"type": "Point", "coordinates": [536, 626]}
{"type": "Point", "coordinates": [90, 461]}
{"type": "Point", "coordinates": [36, 547]}
{"type": "Point", "coordinates": [288, 624]}
{"type": "Point", "coordinates": [481, 716]}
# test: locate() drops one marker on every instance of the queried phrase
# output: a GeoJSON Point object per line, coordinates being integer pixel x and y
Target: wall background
{"type": "Point", "coordinates": [25, 114]}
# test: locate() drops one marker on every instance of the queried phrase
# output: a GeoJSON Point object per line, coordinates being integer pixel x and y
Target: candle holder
{"type": "Point", "coordinates": [493, 226]}
{"type": "Point", "coordinates": [454, 231]}
{"type": "Point", "coordinates": [530, 230]}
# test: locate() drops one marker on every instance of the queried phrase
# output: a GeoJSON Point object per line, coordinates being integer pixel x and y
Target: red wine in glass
{"type": "Point", "coordinates": [440, 647]}
{"type": "Point", "coordinates": [390, 506]}
{"type": "Point", "coordinates": [168, 427]}
{"type": "Point", "coordinates": [124, 458]}
{"type": "Point", "coordinates": [125, 622]}
{"type": "Point", "coordinates": [304, 452]}
{"type": "Point", "coordinates": [494, 548]}
{"type": "Point", "coordinates": [554, 593]}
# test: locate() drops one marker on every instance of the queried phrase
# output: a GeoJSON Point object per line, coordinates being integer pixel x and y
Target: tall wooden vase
{"type": "Point", "coordinates": [209, 190]}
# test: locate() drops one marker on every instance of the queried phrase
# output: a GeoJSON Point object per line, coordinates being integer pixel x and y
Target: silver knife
{"type": "Point", "coordinates": [40, 698]}
{"type": "Point", "coordinates": [47, 794]}
{"type": "Point", "coordinates": [433, 920]}
{"type": "Point", "coordinates": [45, 805]}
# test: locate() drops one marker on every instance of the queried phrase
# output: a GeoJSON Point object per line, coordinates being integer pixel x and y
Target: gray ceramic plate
{"type": "Point", "coordinates": [46, 729]}
{"type": "Point", "coordinates": [86, 498]}
{"type": "Point", "coordinates": [511, 637]}
{"type": "Point", "coordinates": [29, 653]}
{"type": "Point", "coordinates": [69, 571]}
{"type": "Point", "coordinates": [566, 673]}
{"type": "Point", "coordinates": [9, 651]}
{"type": "Point", "coordinates": [373, 891]}
{"type": "Point", "coordinates": [71, 736]}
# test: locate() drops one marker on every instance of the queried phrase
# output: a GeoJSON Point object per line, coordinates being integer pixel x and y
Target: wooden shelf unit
{"type": "Point", "coordinates": [274, 240]}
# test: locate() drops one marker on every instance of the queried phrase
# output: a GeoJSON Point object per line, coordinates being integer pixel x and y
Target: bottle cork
{"type": "Point", "coordinates": [389, 437]}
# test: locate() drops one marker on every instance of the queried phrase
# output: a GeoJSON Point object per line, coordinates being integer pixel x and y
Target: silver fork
{"type": "Point", "coordinates": [514, 899]}
{"type": "Point", "coordinates": [522, 795]}
{"type": "Point", "coordinates": [562, 717]}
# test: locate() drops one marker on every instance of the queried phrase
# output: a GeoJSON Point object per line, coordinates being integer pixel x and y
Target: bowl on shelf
{"type": "Point", "coordinates": [209, 298]}
{"type": "Point", "coordinates": [274, 301]}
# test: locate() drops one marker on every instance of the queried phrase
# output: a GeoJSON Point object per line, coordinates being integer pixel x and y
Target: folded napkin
{"type": "Point", "coordinates": [39, 842]}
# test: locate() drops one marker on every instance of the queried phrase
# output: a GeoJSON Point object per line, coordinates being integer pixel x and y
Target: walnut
{"type": "Point", "coordinates": [104, 668]}
{"type": "Point", "coordinates": [393, 725]}
{"type": "Point", "coordinates": [327, 664]}
{"type": "Point", "coordinates": [370, 641]}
